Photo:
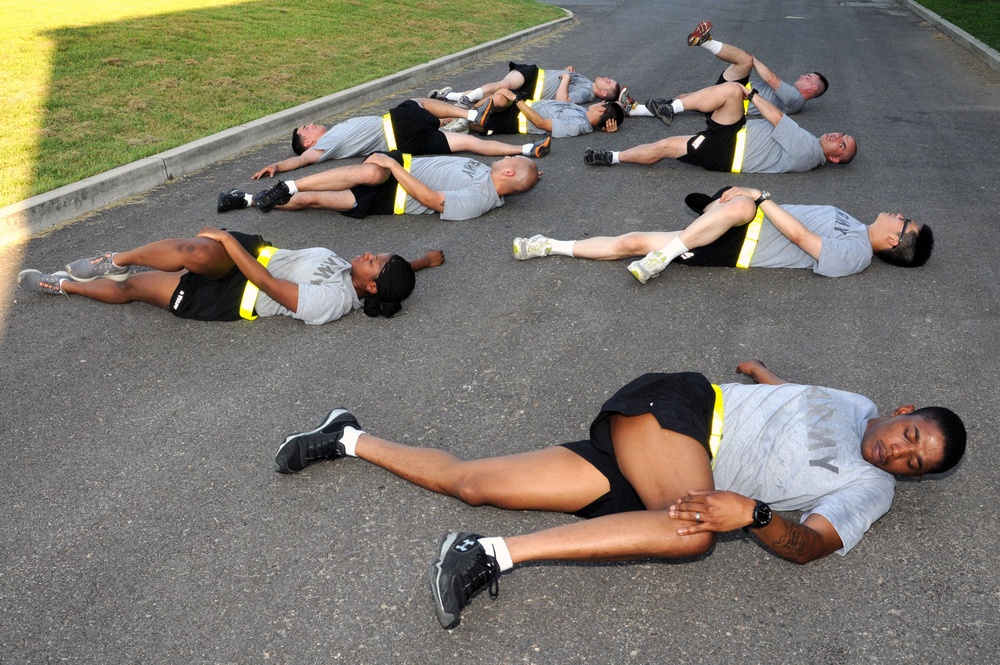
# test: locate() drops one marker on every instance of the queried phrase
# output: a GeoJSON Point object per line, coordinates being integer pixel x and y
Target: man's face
{"type": "Point", "coordinates": [366, 268]}
{"type": "Point", "coordinates": [810, 83]}
{"type": "Point", "coordinates": [904, 445]}
{"type": "Point", "coordinates": [604, 87]}
{"type": "Point", "coordinates": [889, 223]}
{"type": "Point", "coordinates": [838, 146]}
{"type": "Point", "coordinates": [311, 133]}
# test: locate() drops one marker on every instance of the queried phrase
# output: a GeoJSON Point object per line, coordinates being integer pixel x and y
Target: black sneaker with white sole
{"type": "Point", "coordinates": [461, 572]}
{"type": "Point", "coordinates": [300, 450]}
{"type": "Point", "coordinates": [277, 195]}
{"type": "Point", "coordinates": [598, 157]}
{"type": "Point", "coordinates": [234, 199]}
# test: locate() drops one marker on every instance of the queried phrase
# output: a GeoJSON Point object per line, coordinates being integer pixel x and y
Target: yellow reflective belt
{"type": "Point", "coordinates": [539, 84]}
{"type": "Point", "coordinates": [400, 205]}
{"type": "Point", "coordinates": [522, 122]}
{"type": "Point", "coordinates": [390, 136]}
{"type": "Point", "coordinates": [715, 438]}
{"type": "Point", "coordinates": [750, 242]}
{"type": "Point", "coordinates": [741, 138]}
{"type": "Point", "coordinates": [250, 291]}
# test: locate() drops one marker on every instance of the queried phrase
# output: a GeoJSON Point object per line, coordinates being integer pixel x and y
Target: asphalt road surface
{"type": "Point", "coordinates": [142, 520]}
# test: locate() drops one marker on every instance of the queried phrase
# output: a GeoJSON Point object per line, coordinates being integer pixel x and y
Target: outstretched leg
{"type": "Point", "coordinates": [552, 479]}
{"type": "Point", "coordinates": [153, 287]}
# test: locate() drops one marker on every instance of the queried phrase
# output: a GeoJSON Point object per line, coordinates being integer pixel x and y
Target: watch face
{"type": "Point", "coordinates": [761, 515]}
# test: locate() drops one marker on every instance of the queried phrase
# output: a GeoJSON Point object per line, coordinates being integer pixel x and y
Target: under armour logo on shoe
{"type": "Point", "coordinates": [465, 545]}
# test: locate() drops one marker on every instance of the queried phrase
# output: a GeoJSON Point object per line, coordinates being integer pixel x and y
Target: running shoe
{"type": "Point", "coordinates": [87, 270]}
{"type": "Point", "coordinates": [462, 571]}
{"type": "Point", "coordinates": [532, 248]}
{"type": "Point", "coordinates": [599, 157]}
{"type": "Point", "coordinates": [300, 450]}
{"type": "Point", "coordinates": [702, 33]}
{"type": "Point", "coordinates": [37, 281]}
{"type": "Point", "coordinates": [275, 196]}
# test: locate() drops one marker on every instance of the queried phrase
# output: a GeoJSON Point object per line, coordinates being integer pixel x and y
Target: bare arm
{"type": "Point", "coordinates": [431, 198]}
{"type": "Point", "coordinates": [727, 511]}
{"type": "Point", "coordinates": [432, 259]}
{"type": "Point", "coordinates": [562, 93]}
{"type": "Point", "coordinates": [789, 226]}
{"type": "Point", "coordinates": [767, 110]}
{"type": "Point", "coordinates": [281, 291]}
{"type": "Point", "coordinates": [538, 121]}
{"type": "Point", "coordinates": [759, 373]}
{"type": "Point", "coordinates": [766, 74]}
{"type": "Point", "coordinates": [310, 156]}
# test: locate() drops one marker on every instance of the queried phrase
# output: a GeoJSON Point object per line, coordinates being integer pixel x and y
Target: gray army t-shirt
{"type": "Point", "coordinates": [325, 289]}
{"type": "Point", "coordinates": [468, 189]}
{"type": "Point", "coordinates": [781, 148]}
{"type": "Point", "coordinates": [846, 248]}
{"type": "Point", "coordinates": [798, 447]}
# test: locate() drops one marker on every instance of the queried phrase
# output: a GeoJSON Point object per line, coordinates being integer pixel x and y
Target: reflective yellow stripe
{"type": "Point", "coordinates": [715, 438]}
{"type": "Point", "coordinates": [750, 242]}
{"type": "Point", "coordinates": [539, 84]}
{"type": "Point", "coordinates": [522, 122]}
{"type": "Point", "coordinates": [390, 136]}
{"type": "Point", "coordinates": [400, 205]}
{"type": "Point", "coordinates": [250, 291]}
{"type": "Point", "coordinates": [741, 138]}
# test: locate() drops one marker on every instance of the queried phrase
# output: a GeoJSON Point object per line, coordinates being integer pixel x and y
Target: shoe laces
{"type": "Point", "coordinates": [483, 573]}
{"type": "Point", "coordinates": [319, 446]}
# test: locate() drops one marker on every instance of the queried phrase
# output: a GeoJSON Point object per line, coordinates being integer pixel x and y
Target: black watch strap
{"type": "Point", "coordinates": [764, 196]}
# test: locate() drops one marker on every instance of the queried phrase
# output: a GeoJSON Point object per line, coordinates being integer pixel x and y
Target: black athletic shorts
{"type": "Point", "coordinates": [725, 251]}
{"type": "Point", "coordinates": [377, 199]}
{"type": "Point", "coordinates": [530, 74]}
{"type": "Point", "coordinates": [503, 121]}
{"type": "Point", "coordinates": [713, 149]}
{"type": "Point", "coordinates": [417, 130]}
{"type": "Point", "coordinates": [202, 299]}
{"type": "Point", "coordinates": [722, 79]}
{"type": "Point", "coordinates": [682, 403]}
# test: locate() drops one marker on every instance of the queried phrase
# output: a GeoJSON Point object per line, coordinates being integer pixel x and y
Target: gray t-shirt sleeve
{"type": "Point", "coordinates": [853, 509]}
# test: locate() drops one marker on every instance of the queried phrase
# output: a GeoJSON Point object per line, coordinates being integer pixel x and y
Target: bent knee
{"type": "Point", "coordinates": [633, 244]}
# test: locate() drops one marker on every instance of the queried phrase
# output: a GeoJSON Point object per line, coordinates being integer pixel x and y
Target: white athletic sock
{"type": "Point", "coordinates": [562, 247]}
{"type": "Point", "coordinates": [453, 96]}
{"type": "Point", "coordinates": [292, 189]}
{"type": "Point", "coordinates": [677, 105]}
{"type": "Point", "coordinates": [526, 149]}
{"type": "Point", "coordinates": [640, 111]}
{"type": "Point", "coordinates": [673, 249]}
{"type": "Point", "coordinates": [350, 439]}
{"type": "Point", "coordinates": [112, 263]}
{"type": "Point", "coordinates": [713, 45]}
{"type": "Point", "coordinates": [497, 548]}
{"type": "Point", "coordinates": [475, 95]}
{"type": "Point", "coordinates": [614, 157]}
{"type": "Point", "coordinates": [249, 198]}
{"type": "Point", "coordinates": [471, 114]}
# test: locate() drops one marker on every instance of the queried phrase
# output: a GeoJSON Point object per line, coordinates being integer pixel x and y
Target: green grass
{"type": "Point", "coordinates": [97, 85]}
{"type": "Point", "coordinates": [980, 18]}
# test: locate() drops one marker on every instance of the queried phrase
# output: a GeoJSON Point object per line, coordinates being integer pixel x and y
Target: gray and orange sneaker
{"type": "Point", "coordinates": [37, 281]}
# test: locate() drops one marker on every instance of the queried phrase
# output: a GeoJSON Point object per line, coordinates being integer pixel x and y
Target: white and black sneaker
{"type": "Point", "coordinates": [461, 572]}
{"type": "Point", "coordinates": [300, 450]}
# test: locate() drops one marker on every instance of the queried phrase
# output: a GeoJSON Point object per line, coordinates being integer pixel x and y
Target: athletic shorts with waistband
{"type": "Point", "coordinates": [503, 121]}
{"type": "Point", "coordinates": [202, 299]}
{"type": "Point", "coordinates": [375, 199]}
{"type": "Point", "coordinates": [417, 130]}
{"type": "Point", "coordinates": [683, 403]}
{"type": "Point", "coordinates": [714, 148]}
{"type": "Point", "coordinates": [722, 79]}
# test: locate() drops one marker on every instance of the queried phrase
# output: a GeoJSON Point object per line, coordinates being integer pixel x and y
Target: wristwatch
{"type": "Point", "coordinates": [764, 196]}
{"type": "Point", "coordinates": [753, 91]}
{"type": "Point", "coordinates": [761, 515]}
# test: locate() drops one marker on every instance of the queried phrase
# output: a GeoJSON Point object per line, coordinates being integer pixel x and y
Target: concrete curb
{"type": "Point", "coordinates": [989, 56]}
{"type": "Point", "coordinates": [20, 220]}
